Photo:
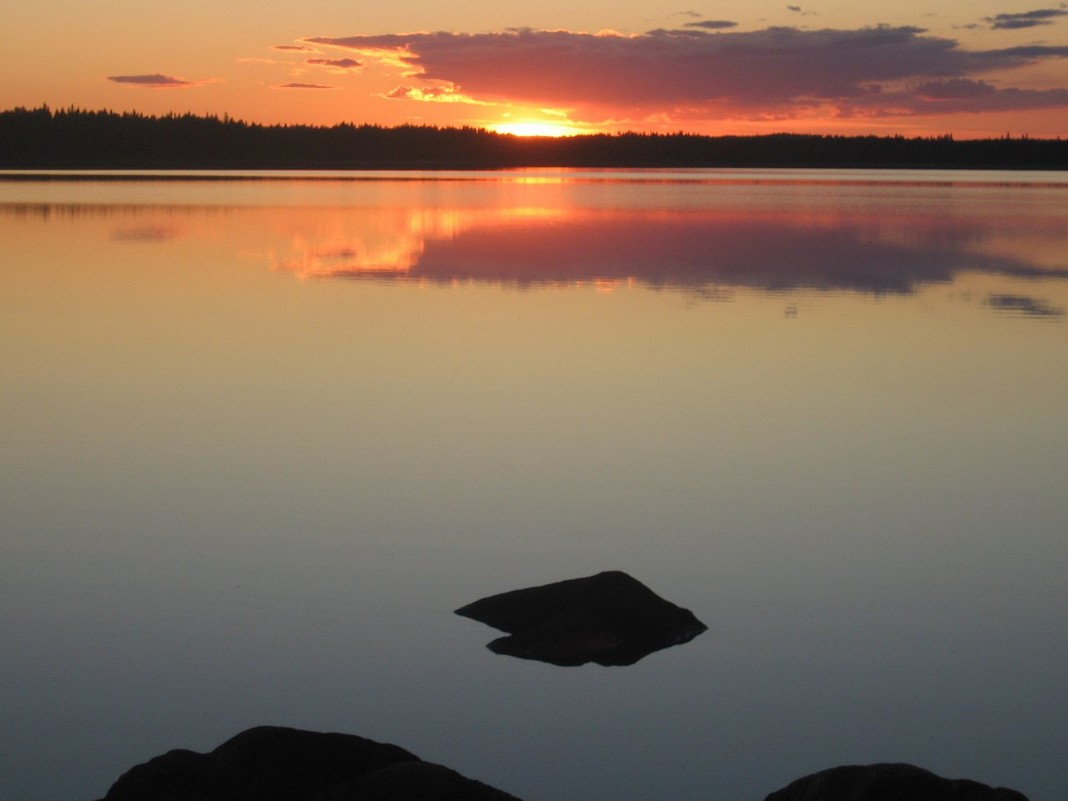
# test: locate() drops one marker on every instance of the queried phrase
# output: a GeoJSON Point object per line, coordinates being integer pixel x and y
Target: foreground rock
{"type": "Point", "coordinates": [270, 763]}
{"type": "Point", "coordinates": [888, 782]}
{"type": "Point", "coordinates": [609, 619]}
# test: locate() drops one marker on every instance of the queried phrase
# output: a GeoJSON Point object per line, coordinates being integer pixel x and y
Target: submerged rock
{"type": "Point", "coordinates": [272, 763]}
{"type": "Point", "coordinates": [610, 619]}
{"type": "Point", "coordinates": [888, 782]}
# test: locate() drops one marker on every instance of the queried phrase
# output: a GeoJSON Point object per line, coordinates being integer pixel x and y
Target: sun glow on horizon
{"type": "Point", "coordinates": [536, 128]}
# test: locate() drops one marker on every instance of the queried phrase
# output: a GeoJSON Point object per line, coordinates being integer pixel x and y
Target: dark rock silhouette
{"type": "Point", "coordinates": [271, 763]}
{"type": "Point", "coordinates": [610, 619]}
{"type": "Point", "coordinates": [888, 782]}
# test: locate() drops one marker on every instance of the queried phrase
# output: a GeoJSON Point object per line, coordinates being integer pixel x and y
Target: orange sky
{"type": "Point", "coordinates": [983, 68]}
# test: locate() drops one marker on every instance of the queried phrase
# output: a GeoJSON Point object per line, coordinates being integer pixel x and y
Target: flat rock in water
{"type": "Point", "coordinates": [272, 763]}
{"type": "Point", "coordinates": [888, 782]}
{"type": "Point", "coordinates": [610, 619]}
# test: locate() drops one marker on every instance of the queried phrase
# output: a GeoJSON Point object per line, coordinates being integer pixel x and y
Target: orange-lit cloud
{"type": "Point", "coordinates": [430, 94]}
{"type": "Point", "coordinates": [155, 81]}
{"type": "Point", "coordinates": [694, 74]}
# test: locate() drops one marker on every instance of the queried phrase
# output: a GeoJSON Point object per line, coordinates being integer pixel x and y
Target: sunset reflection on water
{"type": "Point", "coordinates": [262, 437]}
{"type": "Point", "coordinates": [688, 251]}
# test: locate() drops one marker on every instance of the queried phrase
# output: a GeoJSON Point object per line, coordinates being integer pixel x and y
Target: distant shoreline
{"type": "Point", "coordinates": [926, 177]}
{"type": "Point", "coordinates": [74, 139]}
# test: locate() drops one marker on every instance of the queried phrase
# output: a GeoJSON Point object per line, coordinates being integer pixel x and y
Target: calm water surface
{"type": "Point", "coordinates": [261, 437]}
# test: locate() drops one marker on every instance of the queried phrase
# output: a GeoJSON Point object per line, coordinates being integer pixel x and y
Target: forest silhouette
{"type": "Point", "coordinates": [72, 138]}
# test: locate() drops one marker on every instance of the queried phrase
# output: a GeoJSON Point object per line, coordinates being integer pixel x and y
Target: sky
{"type": "Point", "coordinates": [971, 68]}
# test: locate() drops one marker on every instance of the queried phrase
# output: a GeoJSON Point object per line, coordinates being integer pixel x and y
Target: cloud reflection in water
{"type": "Point", "coordinates": [883, 241]}
{"type": "Point", "coordinates": [696, 251]}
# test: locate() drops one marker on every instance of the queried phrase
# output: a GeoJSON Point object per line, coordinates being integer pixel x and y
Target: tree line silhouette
{"type": "Point", "coordinates": [74, 138]}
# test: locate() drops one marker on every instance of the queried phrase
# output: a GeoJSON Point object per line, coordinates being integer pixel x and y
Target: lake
{"type": "Point", "coordinates": [261, 436]}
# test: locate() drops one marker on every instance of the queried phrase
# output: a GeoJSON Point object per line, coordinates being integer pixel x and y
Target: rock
{"type": "Point", "coordinates": [415, 781]}
{"type": "Point", "coordinates": [610, 619]}
{"type": "Point", "coordinates": [272, 763]}
{"type": "Point", "coordinates": [888, 782]}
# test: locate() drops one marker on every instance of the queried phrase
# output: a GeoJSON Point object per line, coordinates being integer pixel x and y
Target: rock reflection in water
{"type": "Point", "coordinates": [610, 619]}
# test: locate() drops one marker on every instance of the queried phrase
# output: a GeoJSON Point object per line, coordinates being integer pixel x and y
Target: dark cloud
{"type": "Point", "coordinates": [796, 9]}
{"type": "Point", "coordinates": [1025, 54]}
{"type": "Point", "coordinates": [955, 88]}
{"type": "Point", "coordinates": [153, 81]}
{"type": "Point", "coordinates": [1025, 19]}
{"type": "Point", "coordinates": [304, 86]}
{"type": "Point", "coordinates": [713, 24]}
{"type": "Point", "coordinates": [1023, 306]}
{"type": "Point", "coordinates": [952, 96]}
{"type": "Point", "coordinates": [336, 63]}
{"type": "Point", "coordinates": [777, 72]}
{"type": "Point", "coordinates": [294, 48]}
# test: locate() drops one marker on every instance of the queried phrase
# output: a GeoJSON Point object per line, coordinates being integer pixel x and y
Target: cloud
{"type": "Point", "coordinates": [713, 24]}
{"type": "Point", "coordinates": [304, 86]}
{"type": "Point", "coordinates": [294, 48]}
{"type": "Point", "coordinates": [952, 96]}
{"type": "Point", "coordinates": [1023, 306]}
{"type": "Point", "coordinates": [1029, 53]}
{"type": "Point", "coordinates": [1025, 19]}
{"type": "Point", "coordinates": [338, 63]}
{"type": "Point", "coordinates": [430, 94]}
{"type": "Point", "coordinates": [154, 81]}
{"type": "Point", "coordinates": [342, 64]}
{"type": "Point", "coordinates": [775, 73]}
{"type": "Point", "coordinates": [955, 89]}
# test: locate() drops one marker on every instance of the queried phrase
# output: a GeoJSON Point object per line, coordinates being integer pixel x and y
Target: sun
{"type": "Point", "coordinates": [531, 128]}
